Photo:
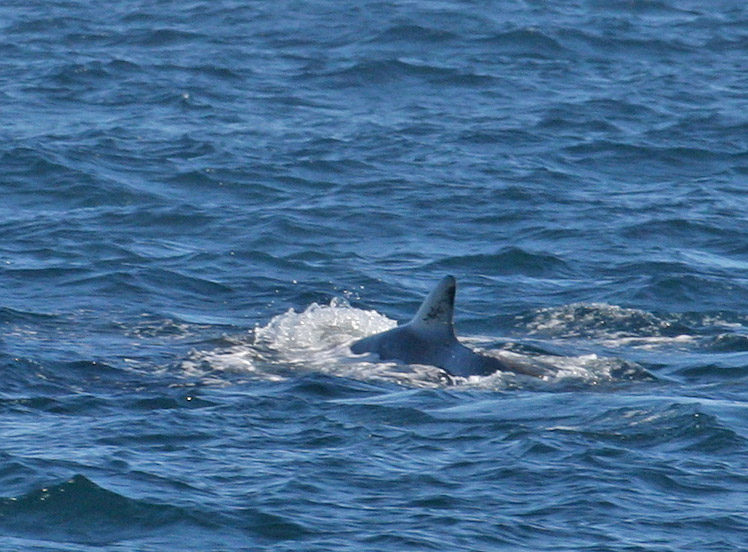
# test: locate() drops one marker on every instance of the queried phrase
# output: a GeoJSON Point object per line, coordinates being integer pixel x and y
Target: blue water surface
{"type": "Point", "coordinates": [204, 203]}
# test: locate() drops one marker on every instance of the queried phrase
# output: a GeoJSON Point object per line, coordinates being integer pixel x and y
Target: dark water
{"type": "Point", "coordinates": [204, 203]}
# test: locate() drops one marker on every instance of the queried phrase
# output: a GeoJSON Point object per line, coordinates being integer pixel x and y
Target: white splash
{"type": "Point", "coordinates": [319, 329]}
{"type": "Point", "coordinates": [314, 340]}
{"type": "Point", "coordinates": [609, 325]}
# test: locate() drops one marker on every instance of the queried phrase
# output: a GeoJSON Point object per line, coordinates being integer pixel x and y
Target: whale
{"type": "Point", "coordinates": [429, 338]}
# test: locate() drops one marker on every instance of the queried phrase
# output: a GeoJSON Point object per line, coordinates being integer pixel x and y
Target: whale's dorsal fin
{"type": "Point", "coordinates": [437, 310]}
{"type": "Point", "coordinates": [429, 338]}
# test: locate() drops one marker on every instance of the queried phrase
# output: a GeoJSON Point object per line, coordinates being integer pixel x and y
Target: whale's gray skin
{"type": "Point", "coordinates": [429, 338]}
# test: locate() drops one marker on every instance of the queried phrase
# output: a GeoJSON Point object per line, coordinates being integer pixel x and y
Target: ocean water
{"type": "Point", "coordinates": [202, 204]}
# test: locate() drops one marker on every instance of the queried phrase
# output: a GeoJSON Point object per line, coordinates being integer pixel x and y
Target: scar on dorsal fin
{"type": "Point", "coordinates": [437, 310]}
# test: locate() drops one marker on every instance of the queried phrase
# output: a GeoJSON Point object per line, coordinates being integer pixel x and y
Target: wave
{"type": "Point", "coordinates": [672, 426]}
{"type": "Point", "coordinates": [597, 320]}
{"type": "Point", "coordinates": [413, 33]}
{"type": "Point", "coordinates": [81, 511]}
{"type": "Point", "coordinates": [731, 343]}
{"type": "Point", "coordinates": [165, 36]}
{"type": "Point", "coordinates": [678, 228]}
{"type": "Point", "coordinates": [14, 316]}
{"type": "Point", "coordinates": [702, 334]}
{"type": "Point", "coordinates": [510, 260]}
{"type": "Point", "coordinates": [527, 42]}
{"type": "Point", "coordinates": [383, 71]}
{"type": "Point", "coordinates": [78, 510]}
{"type": "Point", "coordinates": [688, 290]}
{"type": "Point", "coordinates": [602, 46]}
{"type": "Point", "coordinates": [66, 182]}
